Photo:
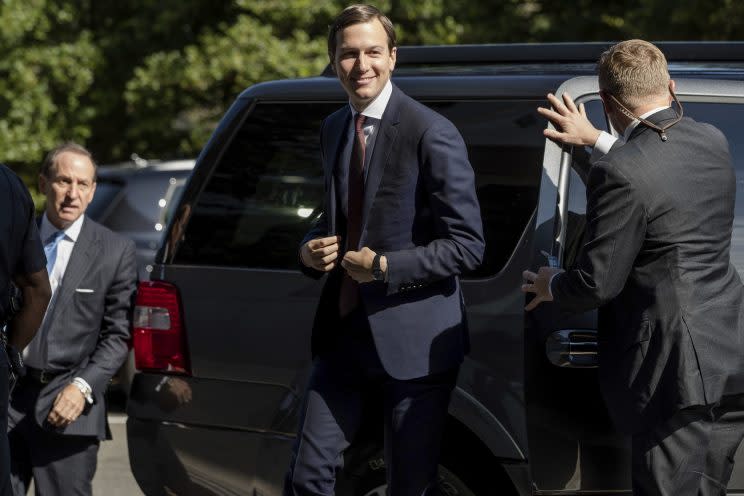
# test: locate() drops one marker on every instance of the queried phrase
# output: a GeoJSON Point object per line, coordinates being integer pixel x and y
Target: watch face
{"type": "Point", "coordinates": [376, 270]}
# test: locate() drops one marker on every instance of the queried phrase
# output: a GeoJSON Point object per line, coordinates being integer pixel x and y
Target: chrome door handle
{"type": "Point", "coordinates": [573, 348]}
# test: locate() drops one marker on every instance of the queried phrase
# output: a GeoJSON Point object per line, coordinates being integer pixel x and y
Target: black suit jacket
{"type": "Point", "coordinates": [421, 211]}
{"type": "Point", "coordinates": [90, 323]}
{"type": "Point", "coordinates": [656, 258]}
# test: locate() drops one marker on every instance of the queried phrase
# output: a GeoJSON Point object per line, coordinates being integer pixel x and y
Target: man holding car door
{"type": "Point", "coordinates": [655, 260]}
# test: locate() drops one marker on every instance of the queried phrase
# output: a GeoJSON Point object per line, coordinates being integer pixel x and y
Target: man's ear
{"type": "Point", "coordinates": [42, 183]}
{"type": "Point", "coordinates": [672, 86]}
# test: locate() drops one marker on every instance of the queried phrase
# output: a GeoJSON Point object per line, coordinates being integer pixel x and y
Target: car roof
{"type": "Point", "coordinates": [111, 171]}
{"type": "Point", "coordinates": [521, 70]}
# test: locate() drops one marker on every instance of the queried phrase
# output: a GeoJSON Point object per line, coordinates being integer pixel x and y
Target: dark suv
{"type": "Point", "coordinates": [222, 332]}
{"type": "Point", "coordinates": [134, 199]}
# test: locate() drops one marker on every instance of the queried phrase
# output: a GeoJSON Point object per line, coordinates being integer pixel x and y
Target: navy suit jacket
{"type": "Point", "coordinates": [420, 211]}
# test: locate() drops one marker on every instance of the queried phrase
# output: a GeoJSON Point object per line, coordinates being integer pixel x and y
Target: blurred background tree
{"type": "Point", "coordinates": [153, 77]}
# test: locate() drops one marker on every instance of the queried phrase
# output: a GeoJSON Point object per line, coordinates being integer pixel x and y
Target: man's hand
{"type": "Point", "coordinates": [539, 284]}
{"type": "Point", "coordinates": [321, 253]}
{"type": "Point", "coordinates": [67, 407]}
{"type": "Point", "coordinates": [572, 125]}
{"type": "Point", "coordinates": [180, 389]}
{"type": "Point", "coordinates": [358, 264]}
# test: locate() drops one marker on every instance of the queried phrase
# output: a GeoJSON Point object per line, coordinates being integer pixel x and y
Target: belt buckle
{"type": "Point", "coordinates": [44, 377]}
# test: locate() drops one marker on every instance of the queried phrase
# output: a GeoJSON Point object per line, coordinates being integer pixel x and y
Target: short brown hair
{"type": "Point", "coordinates": [632, 71]}
{"type": "Point", "coordinates": [68, 146]}
{"type": "Point", "coordinates": [358, 14]}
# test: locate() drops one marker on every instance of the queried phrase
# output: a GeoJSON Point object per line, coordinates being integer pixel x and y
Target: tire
{"type": "Point", "coordinates": [370, 481]}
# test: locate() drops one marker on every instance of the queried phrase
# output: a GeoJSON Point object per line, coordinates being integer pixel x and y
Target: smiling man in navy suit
{"type": "Point", "coordinates": [401, 222]}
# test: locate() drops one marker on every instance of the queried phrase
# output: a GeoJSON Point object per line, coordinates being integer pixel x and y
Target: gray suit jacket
{"type": "Point", "coordinates": [656, 259]}
{"type": "Point", "coordinates": [90, 323]}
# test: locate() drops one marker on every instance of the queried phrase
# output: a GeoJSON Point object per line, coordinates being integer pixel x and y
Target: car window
{"type": "Point", "coordinates": [576, 212]}
{"type": "Point", "coordinates": [725, 116]}
{"type": "Point", "coordinates": [261, 198]}
{"type": "Point", "coordinates": [139, 209]}
{"type": "Point", "coordinates": [104, 197]}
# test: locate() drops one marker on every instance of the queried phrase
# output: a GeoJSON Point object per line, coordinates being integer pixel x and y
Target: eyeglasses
{"type": "Point", "coordinates": [658, 129]}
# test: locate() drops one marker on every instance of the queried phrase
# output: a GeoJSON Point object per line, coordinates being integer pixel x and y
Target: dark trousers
{"type": "Point", "coordinates": [5, 487]}
{"type": "Point", "coordinates": [342, 382]}
{"type": "Point", "coordinates": [692, 453]}
{"type": "Point", "coordinates": [60, 465]}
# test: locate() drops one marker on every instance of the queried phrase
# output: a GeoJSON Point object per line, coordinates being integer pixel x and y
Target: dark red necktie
{"type": "Point", "coordinates": [349, 297]}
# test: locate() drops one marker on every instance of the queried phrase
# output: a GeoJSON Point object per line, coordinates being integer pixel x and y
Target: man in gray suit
{"type": "Point", "coordinates": [660, 208]}
{"type": "Point", "coordinates": [57, 414]}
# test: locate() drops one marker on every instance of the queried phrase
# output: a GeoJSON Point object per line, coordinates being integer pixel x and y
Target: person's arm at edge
{"type": "Point", "coordinates": [36, 295]}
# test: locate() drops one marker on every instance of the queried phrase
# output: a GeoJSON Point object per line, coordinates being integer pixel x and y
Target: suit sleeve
{"type": "Point", "coordinates": [113, 341]}
{"type": "Point", "coordinates": [457, 245]}
{"type": "Point", "coordinates": [616, 227]}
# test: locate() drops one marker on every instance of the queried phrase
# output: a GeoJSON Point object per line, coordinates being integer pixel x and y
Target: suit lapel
{"type": "Point", "coordinates": [384, 144]}
{"type": "Point", "coordinates": [82, 255]}
{"type": "Point", "coordinates": [333, 169]}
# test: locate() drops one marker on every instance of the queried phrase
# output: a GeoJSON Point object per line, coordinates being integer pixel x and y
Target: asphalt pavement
{"type": "Point", "coordinates": [113, 476]}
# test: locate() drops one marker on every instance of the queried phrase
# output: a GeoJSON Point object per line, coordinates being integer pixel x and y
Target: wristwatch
{"type": "Point", "coordinates": [84, 388]}
{"type": "Point", "coordinates": [377, 272]}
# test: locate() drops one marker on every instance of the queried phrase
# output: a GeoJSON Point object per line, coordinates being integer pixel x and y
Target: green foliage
{"type": "Point", "coordinates": [153, 77]}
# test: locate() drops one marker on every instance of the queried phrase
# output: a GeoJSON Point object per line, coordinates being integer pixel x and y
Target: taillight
{"type": "Point", "coordinates": [158, 334]}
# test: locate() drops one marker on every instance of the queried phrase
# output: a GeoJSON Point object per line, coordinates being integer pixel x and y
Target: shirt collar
{"type": "Point", "coordinates": [72, 232]}
{"type": "Point", "coordinates": [378, 105]}
{"type": "Point", "coordinates": [635, 122]}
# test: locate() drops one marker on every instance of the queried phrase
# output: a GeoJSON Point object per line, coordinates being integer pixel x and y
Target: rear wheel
{"type": "Point", "coordinates": [449, 485]}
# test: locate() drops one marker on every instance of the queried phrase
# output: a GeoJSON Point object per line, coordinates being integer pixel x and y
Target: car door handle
{"type": "Point", "coordinates": [573, 348]}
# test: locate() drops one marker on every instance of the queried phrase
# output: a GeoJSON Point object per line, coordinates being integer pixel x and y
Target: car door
{"type": "Point", "coordinates": [572, 443]}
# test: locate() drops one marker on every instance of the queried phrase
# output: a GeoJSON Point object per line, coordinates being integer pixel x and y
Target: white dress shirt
{"type": "Point", "coordinates": [373, 114]}
{"type": "Point", "coordinates": [606, 140]}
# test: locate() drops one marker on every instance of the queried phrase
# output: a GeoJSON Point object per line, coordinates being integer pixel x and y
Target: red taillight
{"type": "Point", "coordinates": [159, 338]}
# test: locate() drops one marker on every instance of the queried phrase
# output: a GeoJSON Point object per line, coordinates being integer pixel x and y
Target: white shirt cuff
{"type": "Point", "coordinates": [602, 146]}
{"type": "Point", "coordinates": [84, 388]}
{"type": "Point", "coordinates": [550, 284]}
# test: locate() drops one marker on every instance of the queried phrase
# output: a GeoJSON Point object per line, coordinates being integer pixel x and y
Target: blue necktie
{"type": "Point", "coordinates": [50, 249]}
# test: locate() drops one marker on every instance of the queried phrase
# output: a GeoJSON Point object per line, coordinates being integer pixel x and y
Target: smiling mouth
{"type": "Point", "coordinates": [364, 80]}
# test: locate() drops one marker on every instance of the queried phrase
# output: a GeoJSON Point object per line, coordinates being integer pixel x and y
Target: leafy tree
{"type": "Point", "coordinates": [153, 77]}
{"type": "Point", "coordinates": [48, 66]}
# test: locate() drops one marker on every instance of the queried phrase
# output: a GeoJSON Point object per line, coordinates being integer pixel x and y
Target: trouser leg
{"type": "Point", "coordinates": [725, 437]}
{"type": "Point", "coordinates": [669, 459]}
{"type": "Point", "coordinates": [332, 411]}
{"type": "Point", "coordinates": [63, 465]}
{"type": "Point", "coordinates": [415, 415]}
{"type": "Point", "coordinates": [18, 438]}
{"type": "Point", "coordinates": [5, 486]}
{"type": "Point", "coordinates": [690, 454]}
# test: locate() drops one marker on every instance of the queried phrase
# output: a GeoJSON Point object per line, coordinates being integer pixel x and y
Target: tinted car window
{"type": "Point", "coordinates": [106, 193]}
{"type": "Point", "coordinates": [137, 210]}
{"type": "Point", "coordinates": [268, 187]}
{"type": "Point", "coordinates": [728, 118]}
{"type": "Point", "coordinates": [725, 116]}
